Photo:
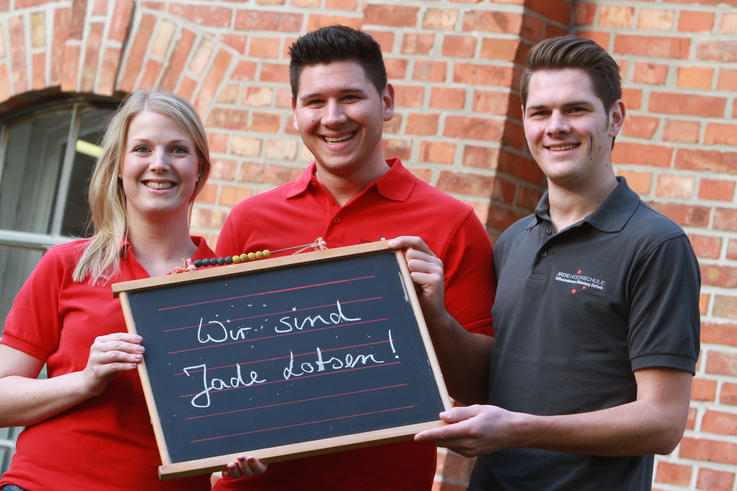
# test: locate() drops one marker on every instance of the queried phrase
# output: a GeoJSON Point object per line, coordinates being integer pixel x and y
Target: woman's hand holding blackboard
{"type": "Point", "coordinates": [27, 400]}
{"type": "Point", "coordinates": [244, 467]}
{"type": "Point", "coordinates": [109, 355]}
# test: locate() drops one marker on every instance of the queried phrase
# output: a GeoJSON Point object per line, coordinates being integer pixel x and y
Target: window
{"type": "Point", "coordinates": [47, 153]}
{"type": "Point", "coordinates": [46, 159]}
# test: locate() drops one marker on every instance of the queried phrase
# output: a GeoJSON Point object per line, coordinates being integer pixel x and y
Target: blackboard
{"type": "Point", "coordinates": [284, 357]}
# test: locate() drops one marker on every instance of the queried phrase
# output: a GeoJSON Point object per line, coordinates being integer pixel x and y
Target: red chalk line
{"type": "Point", "coordinates": [303, 424]}
{"type": "Point", "coordinates": [267, 292]}
{"type": "Point", "coordinates": [297, 401]}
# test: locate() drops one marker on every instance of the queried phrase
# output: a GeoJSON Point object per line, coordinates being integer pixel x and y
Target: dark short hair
{"type": "Point", "coordinates": [575, 52]}
{"type": "Point", "coordinates": [337, 43]}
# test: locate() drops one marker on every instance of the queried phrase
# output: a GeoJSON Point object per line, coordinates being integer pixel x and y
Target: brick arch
{"type": "Point", "coordinates": [47, 53]}
{"type": "Point", "coordinates": [166, 52]}
{"type": "Point", "coordinates": [108, 49]}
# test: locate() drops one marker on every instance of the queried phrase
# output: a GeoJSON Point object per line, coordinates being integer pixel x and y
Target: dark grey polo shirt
{"type": "Point", "coordinates": [575, 314]}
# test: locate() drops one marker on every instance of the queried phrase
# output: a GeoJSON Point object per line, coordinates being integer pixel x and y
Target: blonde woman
{"type": "Point", "coordinates": [87, 427]}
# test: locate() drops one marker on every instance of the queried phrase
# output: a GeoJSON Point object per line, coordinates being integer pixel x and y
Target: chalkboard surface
{"type": "Point", "coordinates": [284, 357]}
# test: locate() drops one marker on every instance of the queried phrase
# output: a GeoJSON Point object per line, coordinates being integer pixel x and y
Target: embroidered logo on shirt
{"type": "Point", "coordinates": [582, 281]}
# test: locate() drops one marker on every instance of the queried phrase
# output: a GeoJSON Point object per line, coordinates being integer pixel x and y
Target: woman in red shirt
{"type": "Point", "coordinates": [87, 426]}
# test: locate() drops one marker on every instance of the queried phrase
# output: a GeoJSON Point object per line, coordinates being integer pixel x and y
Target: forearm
{"type": "Point", "coordinates": [636, 428]}
{"type": "Point", "coordinates": [463, 359]}
{"type": "Point", "coordinates": [654, 423]}
{"type": "Point", "coordinates": [26, 401]}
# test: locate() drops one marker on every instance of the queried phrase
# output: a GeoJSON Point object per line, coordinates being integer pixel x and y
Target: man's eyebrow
{"type": "Point", "coordinates": [567, 104]}
{"type": "Point", "coordinates": [347, 90]}
{"type": "Point", "coordinates": [578, 103]}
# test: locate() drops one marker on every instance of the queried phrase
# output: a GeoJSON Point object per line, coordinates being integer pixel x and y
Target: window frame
{"type": "Point", "coordinates": [39, 241]}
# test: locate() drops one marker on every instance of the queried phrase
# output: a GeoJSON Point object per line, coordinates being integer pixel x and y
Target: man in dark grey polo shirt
{"type": "Point", "coordinates": [596, 317]}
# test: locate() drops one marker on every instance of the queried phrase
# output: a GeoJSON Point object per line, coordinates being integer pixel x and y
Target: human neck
{"type": "Point", "coordinates": [161, 247]}
{"type": "Point", "coordinates": [569, 205]}
{"type": "Point", "coordinates": [343, 187]}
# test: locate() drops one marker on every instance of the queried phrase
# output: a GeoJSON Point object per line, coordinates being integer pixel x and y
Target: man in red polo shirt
{"type": "Point", "coordinates": [351, 194]}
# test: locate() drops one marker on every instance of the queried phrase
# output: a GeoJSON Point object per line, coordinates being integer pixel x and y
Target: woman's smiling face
{"type": "Point", "coordinates": [159, 168]}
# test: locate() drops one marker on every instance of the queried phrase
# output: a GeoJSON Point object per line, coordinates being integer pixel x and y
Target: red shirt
{"type": "Point", "coordinates": [105, 442]}
{"type": "Point", "coordinates": [396, 204]}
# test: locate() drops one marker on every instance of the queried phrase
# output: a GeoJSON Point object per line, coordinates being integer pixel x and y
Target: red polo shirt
{"type": "Point", "coordinates": [105, 442]}
{"type": "Point", "coordinates": [396, 204]}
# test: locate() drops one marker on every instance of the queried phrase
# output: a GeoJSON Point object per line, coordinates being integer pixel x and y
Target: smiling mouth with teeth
{"type": "Point", "coordinates": [159, 185]}
{"type": "Point", "coordinates": [339, 139]}
{"type": "Point", "coordinates": [562, 147]}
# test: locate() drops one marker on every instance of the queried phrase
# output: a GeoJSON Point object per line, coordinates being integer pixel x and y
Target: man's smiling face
{"type": "Point", "coordinates": [340, 116]}
{"type": "Point", "coordinates": [568, 131]}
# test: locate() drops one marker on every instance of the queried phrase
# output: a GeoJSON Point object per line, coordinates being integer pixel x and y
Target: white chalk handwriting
{"type": "Point", "coordinates": [216, 331]}
{"type": "Point", "coordinates": [217, 384]}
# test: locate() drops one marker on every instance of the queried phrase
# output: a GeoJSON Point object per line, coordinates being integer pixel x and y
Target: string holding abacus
{"type": "Point", "coordinates": [318, 245]}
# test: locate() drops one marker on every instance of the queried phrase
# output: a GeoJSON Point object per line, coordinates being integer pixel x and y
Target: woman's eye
{"type": "Point", "coordinates": [140, 149]}
{"type": "Point", "coordinates": [179, 149]}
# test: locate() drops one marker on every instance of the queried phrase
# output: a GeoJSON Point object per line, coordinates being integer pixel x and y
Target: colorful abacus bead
{"type": "Point", "coordinates": [220, 261]}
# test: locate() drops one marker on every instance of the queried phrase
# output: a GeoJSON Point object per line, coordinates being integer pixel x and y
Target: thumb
{"type": "Point", "coordinates": [456, 414]}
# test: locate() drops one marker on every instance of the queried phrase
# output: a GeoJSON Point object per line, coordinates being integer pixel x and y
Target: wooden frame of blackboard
{"type": "Point", "coordinates": [414, 339]}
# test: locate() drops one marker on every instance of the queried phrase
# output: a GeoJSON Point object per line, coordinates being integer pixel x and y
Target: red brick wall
{"type": "Point", "coordinates": [457, 124]}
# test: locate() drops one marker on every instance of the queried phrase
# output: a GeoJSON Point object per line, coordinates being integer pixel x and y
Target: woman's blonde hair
{"type": "Point", "coordinates": [101, 259]}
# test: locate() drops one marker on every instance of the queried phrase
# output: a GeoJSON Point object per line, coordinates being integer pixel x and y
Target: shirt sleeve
{"type": "Point", "coordinates": [34, 322]}
{"type": "Point", "coordinates": [664, 315]}
{"type": "Point", "coordinates": [469, 276]}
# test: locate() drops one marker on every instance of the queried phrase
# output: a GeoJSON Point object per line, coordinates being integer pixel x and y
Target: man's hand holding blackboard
{"type": "Point", "coordinates": [109, 355]}
{"type": "Point", "coordinates": [475, 430]}
{"type": "Point", "coordinates": [426, 270]}
{"type": "Point", "coordinates": [449, 337]}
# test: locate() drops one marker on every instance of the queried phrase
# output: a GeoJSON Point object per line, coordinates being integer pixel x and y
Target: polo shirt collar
{"type": "Point", "coordinates": [611, 216]}
{"type": "Point", "coordinates": [396, 184]}
{"type": "Point", "coordinates": [300, 185]}
{"type": "Point", "coordinates": [203, 249]}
